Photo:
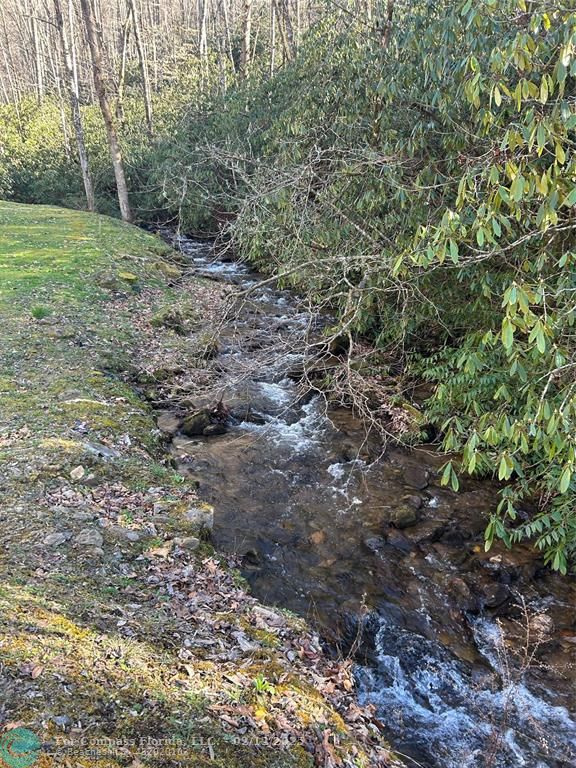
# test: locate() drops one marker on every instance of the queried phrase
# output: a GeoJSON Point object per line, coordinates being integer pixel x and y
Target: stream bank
{"type": "Point", "coordinates": [125, 640]}
{"type": "Point", "coordinates": [466, 655]}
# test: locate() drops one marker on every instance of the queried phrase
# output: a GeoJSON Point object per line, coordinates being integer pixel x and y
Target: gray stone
{"type": "Point", "coordinates": [169, 423]}
{"type": "Point", "coordinates": [89, 537]}
{"type": "Point", "coordinates": [203, 519]}
{"type": "Point", "coordinates": [101, 451]}
{"type": "Point", "coordinates": [55, 539]}
{"type": "Point", "coordinates": [125, 533]}
{"type": "Point", "coordinates": [374, 544]}
{"type": "Point", "coordinates": [82, 515]}
{"type": "Point", "coordinates": [189, 543]}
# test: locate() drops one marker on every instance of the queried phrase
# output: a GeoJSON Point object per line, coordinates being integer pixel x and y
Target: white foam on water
{"type": "Point", "coordinates": [301, 436]}
{"type": "Point", "coordinates": [337, 471]}
{"type": "Point", "coordinates": [281, 393]}
{"type": "Point", "coordinates": [428, 698]}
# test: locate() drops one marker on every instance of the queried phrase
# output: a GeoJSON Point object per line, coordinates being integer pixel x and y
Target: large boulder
{"type": "Point", "coordinates": [195, 423]}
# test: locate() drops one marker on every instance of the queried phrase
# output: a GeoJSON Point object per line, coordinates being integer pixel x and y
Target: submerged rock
{"type": "Point", "coordinates": [405, 516]}
{"type": "Point", "coordinates": [416, 477]}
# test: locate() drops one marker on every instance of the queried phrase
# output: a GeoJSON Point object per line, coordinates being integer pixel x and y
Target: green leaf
{"type": "Point", "coordinates": [517, 188]}
{"type": "Point", "coordinates": [507, 333]}
{"type": "Point", "coordinates": [570, 199]}
{"type": "Point", "coordinates": [565, 479]}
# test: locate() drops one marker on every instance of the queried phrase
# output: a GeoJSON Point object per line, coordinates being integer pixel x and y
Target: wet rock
{"type": "Point", "coordinates": [453, 536]}
{"type": "Point", "coordinates": [416, 477]}
{"type": "Point", "coordinates": [426, 531]}
{"type": "Point", "coordinates": [542, 626]}
{"type": "Point", "coordinates": [414, 501]}
{"type": "Point", "coordinates": [202, 518]}
{"type": "Point", "coordinates": [462, 595]}
{"type": "Point", "coordinates": [89, 537]}
{"type": "Point", "coordinates": [214, 429]}
{"type": "Point", "coordinates": [374, 544]}
{"type": "Point", "coordinates": [56, 539]}
{"type": "Point", "coordinates": [404, 517]}
{"type": "Point", "coordinates": [496, 595]}
{"type": "Point", "coordinates": [169, 423]}
{"type": "Point", "coordinates": [195, 424]}
{"type": "Point", "coordinates": [398, 540]}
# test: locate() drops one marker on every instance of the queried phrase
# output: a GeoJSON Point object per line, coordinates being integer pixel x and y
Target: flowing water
{"type": "Point", "coordinates": [386, 563]}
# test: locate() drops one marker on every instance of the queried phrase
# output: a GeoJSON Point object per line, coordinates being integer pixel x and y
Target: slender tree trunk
{"type": "Point", "coordinates": [246, 38]}
{"type": "Point", "coordinates": [38, 60]}
{"type": "Point", "coordinates": [203, 37]}
{"type": "Point", "coordinates": [143, 64]}
{"type": "Point", "coordinates": [99, 85]}
{"type": "Point", "coordinates": [69, 65]}
{"type": "Point", "coordinates": [227, 30]}
{"type": "Point", "coordinates": [388, 24]}
{"type": "Point", "coordinates": [272, 38]}
{"type": "Point", "coordinates": [122, 72]}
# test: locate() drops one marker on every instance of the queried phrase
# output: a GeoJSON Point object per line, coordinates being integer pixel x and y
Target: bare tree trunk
{"type": "Point", "coordinates": [70, 66]}
{"type": "Point", "coordinates": [246, 38]}
{"type": "Point", "coordinates": [99, 85]}
{"type": "Point", "coordinates": [227, 30]}
{"type": "Point", "coordinates": [388, 24]}
{"type": "Point", "coordinates": [202, 37]}
{"type": "Point", "coordinates": [122, 72]}
{"type": "Point", "coordinates": [37, 59]}
{"type": "Point", "coordinates": [143, 65]}
{"type": "Point", "coordinates": [272, 38]}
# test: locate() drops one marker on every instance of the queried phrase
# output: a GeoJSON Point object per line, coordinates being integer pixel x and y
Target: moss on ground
{"type": "Point", "coordinates": [108, 629]}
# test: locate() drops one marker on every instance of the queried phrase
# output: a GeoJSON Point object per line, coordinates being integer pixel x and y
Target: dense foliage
{"type": "Point", "coordinates": [424, 185]}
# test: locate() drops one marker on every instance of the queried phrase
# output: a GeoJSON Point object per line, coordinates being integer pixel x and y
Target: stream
{"type": "Point", "coordinates": [465, 655]}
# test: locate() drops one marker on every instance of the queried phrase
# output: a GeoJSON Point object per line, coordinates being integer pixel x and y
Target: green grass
{"type": "Point", "coordinates": [71, 342]}
{"type": "Point", "coordinates": [46, 250]}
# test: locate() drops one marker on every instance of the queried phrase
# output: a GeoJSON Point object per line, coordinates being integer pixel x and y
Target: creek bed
{"type": "Point", "coordinates": [387, 564]}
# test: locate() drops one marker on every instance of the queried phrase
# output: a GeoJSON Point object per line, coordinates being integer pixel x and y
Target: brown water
{"type": "Point", "coordinates": [389, 565]}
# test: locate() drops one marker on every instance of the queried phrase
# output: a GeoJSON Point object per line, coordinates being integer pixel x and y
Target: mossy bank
{"type": "Point", "coordinates": [125, 640]}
